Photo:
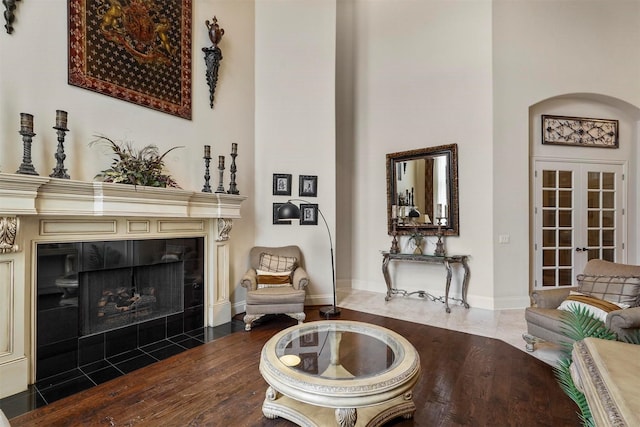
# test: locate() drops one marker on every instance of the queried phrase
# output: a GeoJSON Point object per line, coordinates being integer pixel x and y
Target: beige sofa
{"type": "Point", "coordinates": [602, 279]}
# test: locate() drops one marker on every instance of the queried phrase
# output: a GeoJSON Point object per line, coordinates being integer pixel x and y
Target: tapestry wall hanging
{"type": "Point", "coordinates": [562, 130]}
{"type": "Point", "coordinates": [135, 50]}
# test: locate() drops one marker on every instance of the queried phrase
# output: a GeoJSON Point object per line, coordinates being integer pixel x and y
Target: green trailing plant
{"type": "Point", "coordinates": [138, 167]}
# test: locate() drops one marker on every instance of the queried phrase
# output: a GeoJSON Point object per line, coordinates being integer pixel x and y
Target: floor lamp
{"type": "Point", "coordinates": [291, 211]}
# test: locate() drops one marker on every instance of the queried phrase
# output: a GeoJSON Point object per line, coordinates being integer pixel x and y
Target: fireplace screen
{"type": "Point", "coordinates": [113, 298]}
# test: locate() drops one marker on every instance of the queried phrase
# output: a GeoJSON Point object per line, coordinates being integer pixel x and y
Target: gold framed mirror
{"type": "Point", "coordinates": [422, 191]}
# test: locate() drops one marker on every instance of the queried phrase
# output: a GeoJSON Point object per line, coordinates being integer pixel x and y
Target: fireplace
{"type": "Point", "coordinates": [101, 298]}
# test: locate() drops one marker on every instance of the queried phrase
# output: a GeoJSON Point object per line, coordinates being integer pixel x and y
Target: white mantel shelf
{"type": "Point", "coordinates": [43, 196]}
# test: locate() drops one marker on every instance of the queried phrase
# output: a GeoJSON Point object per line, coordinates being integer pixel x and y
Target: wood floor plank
{"type": "Point", "coordinates": [466, 380]}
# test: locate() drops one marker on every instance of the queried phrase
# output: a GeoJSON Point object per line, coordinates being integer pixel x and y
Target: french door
{"type": "Point", "coordinates": [578, 216]}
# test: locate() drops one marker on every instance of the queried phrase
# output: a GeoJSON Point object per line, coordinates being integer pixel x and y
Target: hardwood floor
{"type": "Point", "coordinates": [467, 380]}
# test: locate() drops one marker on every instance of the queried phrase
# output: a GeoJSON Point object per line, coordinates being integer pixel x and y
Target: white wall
{"type": "Point", "coordinates": [414, 74]}
{"type": "Point", "coordinates": [33, 79]}
{"type": "Point", "coordinates": [295, 124]}
{"type": "Point", "coordinates": [542, 50]}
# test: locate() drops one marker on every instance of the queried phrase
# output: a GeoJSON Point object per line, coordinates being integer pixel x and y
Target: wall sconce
{"type": "Point", "coordinates": [9, 16]}
{"type": "Point", "coordinates": [213, 56]}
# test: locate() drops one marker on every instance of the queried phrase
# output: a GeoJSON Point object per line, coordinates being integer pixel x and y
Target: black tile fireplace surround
{"type": "Point", "coordinates": [99, 302]}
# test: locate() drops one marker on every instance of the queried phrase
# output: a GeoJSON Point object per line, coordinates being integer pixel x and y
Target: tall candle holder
{"type": "Point", "coordinates": [220, 188]}
{"type": "Point", "coordinates": [207, 161]}
{"type": "Point", "coordinates": [233, 189]}
{"type": "Point", "coordinates": [61, 129]}
{"type": "Point", "coordinates": [440, 243]}
{"type": "Point", "coordinates": [395, 248]}
{"type": "Point", "coordinates": [26, 130]}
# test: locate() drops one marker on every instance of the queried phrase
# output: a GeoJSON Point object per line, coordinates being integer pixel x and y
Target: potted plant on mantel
{"type": "Point", "coordinates": [136, 167]}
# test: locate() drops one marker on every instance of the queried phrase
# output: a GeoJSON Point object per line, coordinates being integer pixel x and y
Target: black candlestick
{"type": "Point", "coordinates": [59, 171]}
{"type": "Point", "coordinates": [207, 187]}
{"type": "Point", "coordinates": [233, 189]}
{"type": "Point", "coordinates": [220, 188]}
{"type": "Point", "coordinates": [26, 130]}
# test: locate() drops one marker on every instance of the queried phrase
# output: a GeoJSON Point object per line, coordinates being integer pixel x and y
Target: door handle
{"type": "Point", "coordinates": [582, 249]}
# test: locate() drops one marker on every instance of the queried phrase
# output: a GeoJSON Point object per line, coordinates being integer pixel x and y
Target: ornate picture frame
{"type": "Point", "coordinates": [308, 214]}
{"type": "Point", "coordinates": [139, 52]}
{"type": "Point", "coordinates": [281, 184]}
{"type": "Point", "coordinates": [579, 131]}
{"type": "Point", "coordinates": [308, 186]}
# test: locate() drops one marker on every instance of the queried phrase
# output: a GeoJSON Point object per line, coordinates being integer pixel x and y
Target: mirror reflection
{"type": "Point", "coordinates": [422, 190]}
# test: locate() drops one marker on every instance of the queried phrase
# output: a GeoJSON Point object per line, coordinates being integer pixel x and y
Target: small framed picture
{"type": "Point", "coordinates": [308, 214]}
{"type": "Point", "coordinates": [281, 184]}
{"type": "Point", "coordinates": [308, 186]}
{"type": "Point", "coordinates": [309, 362]}
{"type": "Point", "coordinates": [276, 220]}
{"type": "Point", "coordinates": [309, 339]}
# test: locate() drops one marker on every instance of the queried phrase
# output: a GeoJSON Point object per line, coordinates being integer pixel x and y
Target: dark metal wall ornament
{"type": "Point", "coordinates": [61, 129]}
{"type": "Point", "coordinates": [26, 130]}
{"type": "Point", "coordinates": [135, 51]}
{"type": "Point", "coordinates": [578, 131]}
{"type": "Point", "coordinates": [213, 56]}
{"type": "Point", "coordinates": [9, 16]}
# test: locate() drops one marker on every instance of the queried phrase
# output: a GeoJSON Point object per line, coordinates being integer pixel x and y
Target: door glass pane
{"type": "Point", "coordinates": [548, 238]}
{"type": "Point", "coordinates": [608, 238]}
{"type": "Point", "coordinates": [548, 278]}
{"type": "Point", "coordinates": [608, 181]}
{"type": "Point", "coordinates": [549, 179]}
{"type": "Point", "coordinates": [608, 199]}
{"type": "Point", "coordinates": [548, 257]}
{"type": "Point", "coordinates": [608, 218]}
{"type": "Point", "coordinates": [565, 179]}
{"type": "Point", "coordinates": [564, 219]}
{"type": "Point", "coordinates": [593, 254]}
{"type": "Point", "coordinates": [549, 218]}
{"type": "Point", "coordinates": [565, 238]}
{"type": "Point", "coordinates": [593, 199]}
{"type": "Point", "coordinates": [565, 277]}
{"type": "Point", "coordinates": [608, 255]}
{"type": "Point", "coordinates": [564, 257]}
{"type": "Point", "coordinates": [593, 238]}
{"type": "Point", "coordinates": [564, 199]}
{"type": "Point", "coordinates": [594, 219]}
{"type": "Point", "coordinates": [549, 198]}
{"type": "Point", "coordinates": [593, 180]}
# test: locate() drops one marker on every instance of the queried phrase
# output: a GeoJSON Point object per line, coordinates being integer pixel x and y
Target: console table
{"type": "Point", "coordinates": [447, 261]}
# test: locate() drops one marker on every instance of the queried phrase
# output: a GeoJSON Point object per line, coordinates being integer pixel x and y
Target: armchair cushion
{"type": "Point", "coordinates": [616, 289]}
{"type": "Point", "coordinates": [277, 263]}
{"type": "Point", "coordinates": [268, 279]}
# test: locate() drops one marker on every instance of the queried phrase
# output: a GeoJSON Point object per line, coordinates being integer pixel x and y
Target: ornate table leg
{"type": "Point", "coordinates": [446, 291]}
{"type": "Point", "coordinates": [346, 417]}
{"type": "Point", "coordinates": [465, 282]}
{"type": "Point", "coordinates": [270, 395]}
{"type": "Point", "coordinates": [385, 273]}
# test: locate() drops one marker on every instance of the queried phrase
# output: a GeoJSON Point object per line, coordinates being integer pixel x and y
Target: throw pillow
{"type": "Point", "coordinates": [268, 279]}
{"type": "Point", "coordinates": [617, 289]}
{"type": "Point", "coordinates": [277, 263]}
{"type": "Point", "coordinates": [597, 307]}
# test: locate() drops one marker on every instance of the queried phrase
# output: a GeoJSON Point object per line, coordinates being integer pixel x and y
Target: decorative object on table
{"type": "Point", "coordinates": [213, 56]}
{"type": "Point", "coordinates": [136, 167]}
{"type": "Point", "coordinates": [233, 188]}
{"type": "Point", "coordinates": [138, 51]}
{"type": "Point", "coordinates": [26, 130]}
{"type": "Point", "coordinates": [308, 186]}
{"type": "Point", "coordinates": [61, 129]}
{"type": "Point", "coordinates": [291, 211]}
{"type": "Point", "coordinates": [9, 15]}
{"type": "Point", "coordinates": [417, 239]}
{"type": "Point", "coordinates": [207, 161]}
{"type": "Point", "coordinates": [563, 130]}
{"type": "Point", "coordinates": [439, 251]}
{"type": "Point", "coordinates": [394, 242]}
{"type": "Point", "coordinates": [281, 184]}
{"type": "Point", "coordinates": [220, 188]}
{"type": "Point", "coordinates": [276, 219]}
{"type": "Point", "coordinates": [309, 214]}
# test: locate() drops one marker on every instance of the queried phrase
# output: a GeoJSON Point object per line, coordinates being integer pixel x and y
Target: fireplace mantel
{"type": "Point", "coordinates": [36, 195]}
{"type": "Point", "coordinates": [37, 209]}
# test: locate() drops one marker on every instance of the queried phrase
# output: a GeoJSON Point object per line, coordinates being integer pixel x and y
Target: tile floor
{"type": "Point", "coordinates": [505, 325]}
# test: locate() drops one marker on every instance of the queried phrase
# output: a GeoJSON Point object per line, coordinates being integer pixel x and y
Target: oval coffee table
{"type": "Point", "coordinates": [339, 372]}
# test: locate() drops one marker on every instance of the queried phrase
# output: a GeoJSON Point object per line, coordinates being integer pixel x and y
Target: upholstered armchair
{"type": "Point", "coordinates": [276, 283]}
{"type": "Point", "coordinates": [602, 284]}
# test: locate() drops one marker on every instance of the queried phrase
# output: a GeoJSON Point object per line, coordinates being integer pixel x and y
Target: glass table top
{"type": "Point", "coordinates": [339, 351]}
